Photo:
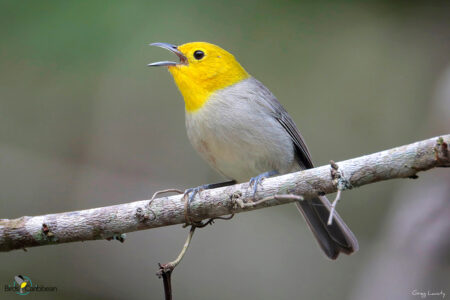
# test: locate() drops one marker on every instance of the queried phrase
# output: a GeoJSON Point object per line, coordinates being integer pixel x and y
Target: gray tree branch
{"type": "Point", "coordinates": [113, 221]}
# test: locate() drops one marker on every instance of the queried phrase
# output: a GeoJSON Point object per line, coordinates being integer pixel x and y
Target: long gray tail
{"type": "Point", "coordinates": [334, 238]}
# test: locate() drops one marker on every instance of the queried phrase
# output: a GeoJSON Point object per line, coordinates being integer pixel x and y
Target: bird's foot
{"type": "Point", "coordinates": [190, 195]}
{"type": "Point", "coordinates": [255, 181]}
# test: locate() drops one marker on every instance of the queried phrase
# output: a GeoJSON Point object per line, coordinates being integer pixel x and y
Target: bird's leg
{"type": "Point", "coordinates": [255, 181]}
{"type": "Point", "coordinates": [190, 194]}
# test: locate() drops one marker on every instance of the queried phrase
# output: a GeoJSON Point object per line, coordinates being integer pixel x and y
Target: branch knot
{"type": "Point", "coordinates": [441, 152]}
{"type": "Point", "coordinates": [338, 177]}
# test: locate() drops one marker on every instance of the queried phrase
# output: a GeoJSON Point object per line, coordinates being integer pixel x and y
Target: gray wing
{"type": "Point", "coordinates": [302, 151]}
{"type": "Point", "coordinates": [334, 238]}
{"type": "Point", "coordinates": [278, 111]}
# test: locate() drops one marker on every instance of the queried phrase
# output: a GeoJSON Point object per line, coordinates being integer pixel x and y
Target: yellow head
{"type": "Point", "coordinates": [203, 69]}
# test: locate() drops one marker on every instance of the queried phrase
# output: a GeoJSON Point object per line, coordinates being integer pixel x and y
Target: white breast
{"type": "Point", "coordinates": [237, 135]}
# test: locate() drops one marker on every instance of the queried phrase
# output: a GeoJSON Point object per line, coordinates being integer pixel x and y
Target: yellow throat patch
{"type": "Point", "coordinates": [209, 68]}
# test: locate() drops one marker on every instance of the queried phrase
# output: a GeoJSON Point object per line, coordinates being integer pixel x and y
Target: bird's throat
{"type": "Point", "coordinates": [196, 90]}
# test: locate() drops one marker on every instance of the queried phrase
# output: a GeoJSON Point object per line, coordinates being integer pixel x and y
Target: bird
{"type": "Point", "coordinates": [240, 128]}
{"type": "Point", "coordinates": [21, 282]}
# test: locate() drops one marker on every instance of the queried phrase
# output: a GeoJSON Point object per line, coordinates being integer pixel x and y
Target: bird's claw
{"type": "Point", "coordinates": [191, 192]}
{"type": "Point", "coordinates": [190, 195]}
{"type": "Point", "coordinates": [257, 180]}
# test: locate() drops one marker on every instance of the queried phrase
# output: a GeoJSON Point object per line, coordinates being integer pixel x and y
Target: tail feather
{"type": "Point", "coordinates": [334, 238]}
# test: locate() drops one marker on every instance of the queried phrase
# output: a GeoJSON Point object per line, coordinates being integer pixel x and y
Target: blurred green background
{"type": "Point", "coordinates": [84, 123]}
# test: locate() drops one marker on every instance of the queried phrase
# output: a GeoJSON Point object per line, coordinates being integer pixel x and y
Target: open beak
{"type": "Point", "coordinates": [174, 49]}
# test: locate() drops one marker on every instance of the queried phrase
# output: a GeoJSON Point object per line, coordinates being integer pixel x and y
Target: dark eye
{"type": "Point", "coordinates": [198, 54]}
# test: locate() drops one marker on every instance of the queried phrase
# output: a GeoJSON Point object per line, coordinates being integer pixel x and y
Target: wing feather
{"type": "Point", "coordinates": [268, 100]}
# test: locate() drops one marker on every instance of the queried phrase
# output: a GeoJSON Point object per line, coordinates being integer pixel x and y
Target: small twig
{"type": "Point", "coordinates": [163, 192]}
{"type": "Point", "coordinates": [333, 207]}
{"type": "Point", "coordinates": [146, 216]}
{"type": "Point", "coordinates": [174, 263]}
{"type": "Point", "coordinates": [166, 276]}
{"type": "Point", "coordinates": [341, 183]}
{"type": "Point", "coordinates": [211, 221]}
{"type": "Point", "coordinates": [165, 270]}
